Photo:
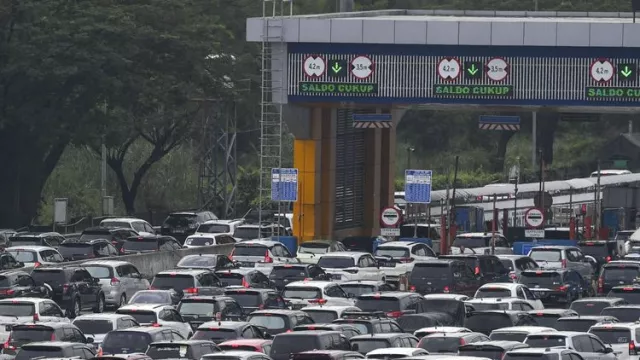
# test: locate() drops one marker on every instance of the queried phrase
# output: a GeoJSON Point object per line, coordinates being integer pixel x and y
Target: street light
{"type": "Point", "coordinates": [410, 149]}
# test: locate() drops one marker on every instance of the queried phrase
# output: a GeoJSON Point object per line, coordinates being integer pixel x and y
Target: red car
{"type": "Point", "coordinates": [259, 345]}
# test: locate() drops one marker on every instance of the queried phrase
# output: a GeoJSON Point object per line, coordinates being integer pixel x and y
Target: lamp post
{"type": "Point", "coordinates": [410, 150]}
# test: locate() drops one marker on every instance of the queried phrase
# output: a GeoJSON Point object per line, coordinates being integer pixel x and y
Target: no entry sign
{"type": "Point", "coordinates": [534, 218]}
{"type": "Point", "coordinates": [390, 217]}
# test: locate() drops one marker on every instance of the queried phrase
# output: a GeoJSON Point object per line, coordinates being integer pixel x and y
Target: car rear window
{"type": "Point", "coordinates": [169, 351]}
{"type": "Point", "coordinates": [51, 277]}
{"type": "Point", "coordinates": [623, 314]}
{"type": "Point", "coordinates": [198, 261]}
{"type": "Point", "coordinates": [283, 272]}
{"type": "Point", "coordinates": [180, 220]}
{"type": "Point", "coordinates": [142, 317]}
{"type": "Point", "coordinates": [25, 240]}
{"type": "Point", "coordinates": [620, 273]}
{"type": "Point", "coordinates": [173, 281]}
{"type": "Point", "coordinates": [588, 307]}
{"type": "Point", "coordinates": [507, 263]}
{"type": "Point", "coordinates": [594, 249]}
{"type": "Point", "coordinates": [126, 342]}
{"type": "Point", "coordinates": [481, 322]}
{"type": "Point", "coordinates": [612, 335]}
{"type": "Point", "coordinates": [205, 308]}
{"type": "Point", "coordinates": [246, 299]}
{"type": "Point", "coordinates": [540, 279]}
{"type": "Point", "coordinates": [200, 241]}
{"type": "Point", "coordinates": [30, 333]}
{"type": "Point", "coordinates": [478, 306]}
{"type": "Point", "coordinates": [470, 242]}
{"type": "Point", "coordinates": [115, 224]}
{"type": "Point", "coordinates": [150, 297]}
{"type": "Point", "coordinates": [292, 344]}
{"type": "Point", "coordinates": [141, 244]}
{"type": "Point", "coordinates": [394, 252]}
{"type": "Point", "coordinates": [486, 352]}
{"type": "Point", "coordinates": [518, 356]}
{"type": "Point", "coordinates": [630, 294]}
{"type": "Point", "coordinates": [382, 303]}
{"type": "Point", "coordinates": [236, 347]}
{"type": "Point", "coordinates": [230, 279]}
{"type": "Point", "coordinates": [574, 324]}
{"type": "Point", "coordinates": [4, 282]}
{"type": "Point", "coordinates": [547, 320]}
{"type": "Point", "coordinates": [545, 341]}
{"type": "Point", "coordinates": [300, 292]}
{"type": "Point", "coordinates": [358, 289]}
{"type": "Point", "coordinates": [100, 271]}
{"type": "Point", "coordinates": [250, 250]}
{"type": "Point", "coordinates": [492, 292]}
{"type": "Point", "coordinates": [336, 262]}
{"type": "Point", "coordinates": [507, 336]}
{"type": "Point", "coordinates": [34, 352]}
{"type": "Point", "coordinates": [367, 345]}
{"type": "Point", "coordinates": [17, 309]}
{"type": "Point", "coordinates": [546, 255]}
{"type": "Point", "coordinates": [269, 321]}
{"type": "Point", "coordinates": [322, 316]}
{"type": "Point", "coordinates": [314, 248]}
{"type": "Point", "coordinates": [214, 228]}
{"type": "Point", "coordinates": [431, 271]}
{"type": "Point", "coordinates": [95, 326]}
{"type": "Point", "coordinates": [440, 344]}
{"type": "Point", "coordinates": [25, 256]}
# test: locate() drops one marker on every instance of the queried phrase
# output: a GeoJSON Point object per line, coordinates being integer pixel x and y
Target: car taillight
{"type": "Point", "coordinates": [122, 250]}
{"type": "Point", "coordinates": [412, 288]}
{"type": "Point", "coordinates": [600, 285]}
{"type": "Point", "coordinates": [562, 288]}
{"type": "Point", "coordinates": [100, 351]}
{"type": "Point", "coordinates": [114, 242]}
{"type": "Point", "coordinates": [395, 314]}
{"type": "Point", "coordinates": [564, 263]}
{"type": "Point", "coordinates": [53, 336]}
{"type": "Point", "coordinates": [115, 281]}
{"type": "Point", "coordinates": [512, 275]}
{"type": "Point", "coordinates": [7, 345]}
{"type": "Point", "coordinates": [462, 342]}
{"type": "Point", "coordinates": [65, 288]}
{"type": "Point", "coordinates": [318, 301]}
{"type": "Point", "coordinates": [477, 270]}
{"type": "Point", "coordinates": [37, 264]}
{"type": "Point", "coordinates": [245, 284]}
{"type": "Point", "coordinates": [7, 292]}
{"type": "Point", "coordinates": [446, 290]}
{"type": "Point", "coordinates": [608, 259]}
{"type": "Point", "coordinates": [632, 348]}
{"type": "Point", "coordinates": [406, 260]}
{"type": "Point", "coordinates": [36, 317]}
{"type": "Point", "coordinates": [156, 325]}
{"type": "Point", "coordinates": [191, 290]}
{"type": "Point", "coordinates": [267, 257]}
{"type": "Point", "coordinates": [261, 307]}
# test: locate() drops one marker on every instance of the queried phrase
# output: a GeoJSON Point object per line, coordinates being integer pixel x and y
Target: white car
{"type": "Point", "coordinates": [420, 333]}
{"type": "Point", "coordinates": [264, 252]}
{"type": "Point", "coordinates": [588, 345]}
{"type": "Point", "coordinates": [324, 314]}
{"type": "Point", "coordinates": [351, 265]}
{"type": "Point", "coordinates": [479, 243]}
{"type": "Point", "coordinates": [158, 315]}
{"type": "Point", "coordinates": [624, 338]}
{"type": "Point", "coordinates": [199, 240]}
{"type": "Point", "coordinates": [310, 251]}
{"type": "Point", "coordinates": [395, 352]}
{"type": "Point", "coordinates": [517, 333]}
{"type": "Point", "coordinates": [36, 256]}
{"type": "Point", "coordinates": [26, 310]}
{"type": "Point", "coordinates": [140, 226]}
{"type": "Point", "coordinates": [500, 304]}
{"type": "Point", "coordinates": [311, 292]}
{"type": "Point", "coordinates": [508, 290]}
{"type": "Point", "coordinates": [98, 325]}
{"type": "Point", "coordinates": [458, 297]}
{"type": "Point", "coordinates": [398, 257]}
{"type": "Point", "coordinates": [219, 226]}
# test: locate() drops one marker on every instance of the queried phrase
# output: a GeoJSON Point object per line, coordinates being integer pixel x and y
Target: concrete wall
{"type": "Point", "coordinates": [152, 263]}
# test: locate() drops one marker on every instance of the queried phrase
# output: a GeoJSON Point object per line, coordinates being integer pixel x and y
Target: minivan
{"type": "Point", "coordinates": [291, 343]}
{"type": "Point", "coordinates": [443, 276]}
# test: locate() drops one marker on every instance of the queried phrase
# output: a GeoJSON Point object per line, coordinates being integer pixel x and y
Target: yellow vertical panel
{"type": "Point", "coordinates": [304, 210]}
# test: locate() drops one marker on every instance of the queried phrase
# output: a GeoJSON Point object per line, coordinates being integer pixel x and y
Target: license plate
{"type": "Point", "coordinates": [336, 276]}
{"type": "Point", "coordinates": [178, 231]}
{"type": "Point", "coordinates": [249, 264]}
{"type": "Point", "coordinates": [388, 264]}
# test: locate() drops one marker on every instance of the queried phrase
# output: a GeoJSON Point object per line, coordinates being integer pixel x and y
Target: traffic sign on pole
{"type": "Point", "coordinates": [284, 184]}
{"type": "Point", "coordinates": [390, 217]}
{"type": "Point", "coordinates": [534, 218]}
{"type": "Point", "coordinates": [417, 186]}
{"type": "Point", "coordinates": [362, 67]}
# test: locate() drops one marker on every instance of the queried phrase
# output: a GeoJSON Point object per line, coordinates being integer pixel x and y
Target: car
{"type": "Point", "coordinates": [556, 286]}
{"type": "Point", "coordinates": [181, 349]}
{"type": "Point", "coordinates": [213, 262]}
{"type": "Point", "coordinates": [258, 345]}
{"type": "Point", "coordinates": [278, 321]}
{"type": "Point", "coordinates": [327, 313]}
{"type": "Point", "coordinates": [360, 287]}
{"type": "Point", "coordinates": [370, 323]}
{"type": "Point", "coordinates": [624, 313]}
{"type": "Point", "coordinates": [595, 305]}
{"type": "Point", "coordinates": [517, 264]}
{"type": "Point", "coordinates": [219, 226]}
{"type": "Point", "coordinates": [98, 325]}
{"type": "Point", "coordinates": [367, 343]}
{"type": "Point", "coordinates": [136, 339]}
{"type": "Point", "coordinates": [517, 333]}
{"type": "Point", "coordinates": [582, 323]}
{"type": "Point", "coordinates": [420, 333]}
{"type": "Point", "coordinates": [603, 251]}
{"type": "Point", "coordinates": [509, 290]}
{"type": "Point", "coordinates": [188, 281]}
{"type": "Point", "coordinates": [616, 273]}
{"type": "Point", "coordinates": [629, 293]}
{"type": "Point", "coordinates": [346, 330]}
{"type": "Point", "coordinates": [393, 304]}
{"type": "Point", "coordinates": [5, 235]}
{"type": "Point", "coordinates": [119, 280]}
{"type": "Point", "coordinates": [46, 239]}
{"type": "Point", "coordinates": [543, 354]}
{"type": "Point", "coordinates": [449, 342]}
{"type": "Point", "coordinates": [287, 273]}
{"type": "Point", "coordinates": [252, 299]}
{"type": "Point", "coordinates": [141, 227]}
{"type": "Point", "coordinates": [448, 276]}
{"type": "Point", "coordinates": [158, 315]}
{"type": "Point", "coordinates": [22, 334]}
{"type": "Point", "coordinates": [236, 355]}
{"type": "Point", "coordinates": [148, 244]}
{"type": "Point", "coordinates": [158, 297]}
{"type": "Point", "coordinates": [327, 355]}
{"type": "Point", "coordinates": [221, 331]}
{"type": "Point", "coordinates": [244, 277]}
{"type": "Point", "coordinates": [395, 352]}
{"type": "Point", "coordinates": [116, 236]}
{"type": "Point", "coordinates": [304, 293]}
{"type": "Point", "coordinates": [264, 231]}
{"type": "Point", "coordinates": [479, 243]}
{"type": "Point", "coordinates": [199, 240]}
{"type": "Point", "coordinates": [487, 321]}
{"type": "Point", "coordinates": [73, 249]}
{"type": "Point", "coordinates": [565, 257]}
{"type": "Point", "coordinates": [398, 258]}
{"type": "Point", "coordinates": [487, 268]}
{"type": "Point", "coordinates": [587, 345]}
{"type": "Point", "coordinates": [136, 356]}
{"type": "Point", "coordinates": [8, 262]}
{"type": "Point", "coordinates": [309, 251]}
{"type": "Point", "coordinates": [15, 284]}
{"type": "Point", "coordinates": [351, 265]}
{"type": "Point", "coordinates": [27, 310]}
{"type": "Point", "coordinates": [184, 223]}
{"type": "Point", "coordinates": [624, 338]}
{"type": "Point", "coordinates": [249, 253]}
{"type": "Point", "coordinates": [197, 310]}
{"type": "Point", "coordinates": [72, 287]}
{"type": "Point", "coordinates": [35, 255]}
{"type": "Point", "coordinates": [286, 344]}
{"type": "Point", "coordinates": [490, 349]}
{"type": "Point", "coordinates": [548, 317]}
{"type": "Point", "coordinates": [499, 304]}
{"type": "Point", "coordinates": [52, 349]}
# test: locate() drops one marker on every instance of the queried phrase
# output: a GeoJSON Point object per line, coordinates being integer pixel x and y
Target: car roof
{"type": "Point", "coordinates": [62, 344]}
{"type": "Point", "coordinates": [310, 332]}
{"type": "Point", "coordinates": [505, 344]}
{"type": "Point", "coordinates": [327, 242]}
{"type": "Point", "coordinates": [122, 219]}
{"type": "Point", "coordinates": [143, 307]}
{"type": "Point", "coordinates": [181, 342]}
{"type": "Point", "coordinates": [47, 323]}
{"type": "Point", "coordinates": [23, 299]}
{"type": "Point", "coordinates": [278, 312]}
{"type": "Point", "coordinates": [588, 317]}
{"type": "Point", "coordinates": [247, 342]}
{"type": "Point", "coordinates": [248, 290]}
{"type": "Point", "coordinates": [242, 271]}
{"type": "Point", "coordinates": [402, 244]}
{"type": "Point", "coordinates": [598, 299]}
{"type": "Point", "coordinates": [338, 308]}
{"type": "Point", "coordinates": [501, 285]}
{"type": "Point", "coordinates": [553, 247]}
{"type": "Point", "coordinates": [544, 271]}
{"type": "Point", "coordinates": [362, 282]}
{"type": "Point", "coordinates": [226, 354]}
{"type": "Point", "coordinates": [395, 294]}
{"type": "Point", "coordinates": [146, 329]}
{"type": "Point", "coordinates": [558, 333]}
{"type": "Point", "coordinates": [113, 263]}
{"type": "Point", "coordinates": [267, 243]}
{"type": "Point", "coordinates": [345, 254]}
{"type": "Point", "coordinates": [493, 300]}
{"type": "Point", "coordinates": [179, 271]}
{"type": "Point", "coordinates": [395, 351]}
{"type": "Point", "coordinates": [379, 336]}
{"type": "Point", "coordinates": [223, 324]}
{"type": "Point", "coordinates": [443, 329]}
{"type": "Point", "coordinates": [553, 312]}
{"type": "Point", "coordinates": [452, 334]}
{"type": "Point", "coordinates": [30, 247]}
{"type": "Point", "coordinates": [6, 273]}
{"type": "Point", "coordinates": [629, 325]}
{"type": "Point", "coordinates": [523, 329]}
{"type": "Point", "coordinates": [510, 256]}
{"type": "Point", "coordinates": [310, 283]}
{"type": "Point", "coordinates": [547, 350]}
{"type": "Point", "coordinates": [625, 306]}
{"type": "Point", "coordinates": [103, 316]}
{"type": "Point", "coordinates": [458, 297]}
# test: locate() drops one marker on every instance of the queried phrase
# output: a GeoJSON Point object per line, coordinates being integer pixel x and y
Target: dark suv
{"type": "Point", "coordinates": [136, 339]}
{"type": "Point", "coordinates": [188, 281]}
{"type": "Point", "coordinates": [448, 276]}
{"type": "Point", "coordinates": [20, 284]}
{"type": "Point", "coordinates": [73, 288]}
{"type": "Point", "coordinates": [181, 349]}
{"type": "Point", "coordinates": [197, 310]}
{"type": "Point", "coordinates": [489, 320]}
{"type": "Point", "coordinates": [370, 323]}
{"type": "Point", "coordinates": [394, 304]}
{"type": "Point", "coordinates": [22, 334]}
{"type": "Point", "coordinates": [116, 236]}
{"type": "Point", "coordinates": [147, 244]}
{"type": "Point", "coordinates": [184, 223]}
{"type": "Point", "coordinates": [281, 275]}
{"type": "Point", "coordinates": [298, 341]}
{"type": "Point", "coordinates": [89, 249]}
{"type": "Point", "coordinates": [617, 273]}
{"type": "Point", "coordinates": [488, 268]}
{"type": "Point", "coordinates": [39, 239]}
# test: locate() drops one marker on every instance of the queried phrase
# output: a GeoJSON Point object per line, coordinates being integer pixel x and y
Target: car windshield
{"type": "Point", "coordinates": [214, 228]}
{"type": "Point", "coordinates": [115, 224]}
{"type": "Point", "coordinates": [574, 324]}
{"type": "Point", "coordinates": [358, 289]}
{"type": "Point", "coordinates": [314, 248]}
{"type": "Point", "coordinates": [51, 277]}
{"type": "Point", "coordinates": [94, 327]}
{"type": "Point", "coordinates": [471, 242]}
{"type": "Point", "coordinates": [142, 317]}
{"type": "Point", "coordinates": [478, 306]}
{"type": "Point", "coordinates": [199, 241]}
{"type": "Point", "coordinates": [507, 263]}
{"type": "Point", "coordinates": [393, 252]}
{"type": "Point", "coordinates": [25, 256]}
{"type": "Point", "coordinates": [492, 292]}
{"type": "Point", "coordinates": [612, 335]}
{"type": "Point", "coordinates": [180, 220]}
{"type": "Point", "coordinates": [508, 336]}
{"type": "Point", "coordinates": [336, 262]}
{"type": "Point", "coordinates": [246, 299]}
{"type": "Point", "coordinates": [17, 309]}
{"type": "Point", "coordinates": [366, 345]}
{"type": "Point", "coordinates": [624, 235]}
{"type": "Point", "coordinates": [481, 322]}
{"type": "Point", "coordinates": [440, 344]}
{"type": "Point", "coordinates": [597, 250]}
{"type": "Point", "coordinates": [630, 295]}
{"type": "Point", "coordinates": [100, 272]}
{"type": "Point", "coordinates": [168, 351]}
{"type": "Point", "coordinates": [230, 279]}
{"type": "Point", "coordinates": [173, 281]}
{"type": "Point", "coordinates": [545, 341]}
{"type": "Point", "coordinates": [4, 282]}
{"type": "Point", "coordinates": [540, 279]}
{"type": "Point", "coordinates": [292, 344]}
{"type": "Point", "coordinates": [430, 271]}
{"type": "Point", "coordinates": [247, 233]}
{"type": "Point", "coordinates": [201, 308]}
{"type": "Point", "coordinates": [141, 244]}
{"type": "Point", "coordinates": [546, 320]}
{"type": "Point", "coordinates": [588, 307]}
{"type": "Point", "coordinates": [283, 272]}
{"type": "Point", "coordinates": [150, 297]}
{"type": "Point", "coordinates": [368, 303]}
{"type": "Point", "coordinates": [546, 255]}
{"type": "Point", "coordinates": [624, 314]}
{"type": "Point", "coordinates": [621, 273]}
{"type": "Point", "coordinates": [301, 293]}
{"type": "Point", "coordinates": [39, 352]}
{"type": "Point", "coordinates": [30, 333]}
{"type": "Point", "coordinates": [125, 342]}
{"type": "Point", "coordinates": [202, 261]}
{"type": "Point", "coordinates": [269, 321]}
{"type": "Point", "coordinates": [322, 316]}
{"type": "Point", "coordinates": [250, 250]}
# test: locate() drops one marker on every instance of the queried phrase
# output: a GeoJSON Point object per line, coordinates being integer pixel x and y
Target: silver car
{"type": "Point", "coordinates": [565, 257]}
{"type": "Point", "coordinates": [119, 280]}
{"type": "Point", "coordinates": [98, 325]}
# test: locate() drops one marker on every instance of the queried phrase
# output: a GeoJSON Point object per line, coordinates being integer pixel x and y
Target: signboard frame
{"type": "Point", "coordinates": [418, 191]}
{"type": "Point", "coordinates": [284, 190]}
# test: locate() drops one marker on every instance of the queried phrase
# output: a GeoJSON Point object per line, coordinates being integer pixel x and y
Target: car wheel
{"type": "Point", "coordinates": [123, 301]}
{"type": "Point", "coordinates": [75, 308]}
{"type": "Point", "coordinates": [100, 305]}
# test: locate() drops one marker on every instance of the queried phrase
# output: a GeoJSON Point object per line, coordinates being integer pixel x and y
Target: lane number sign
{"type": "Point", "coordinates": [497, 69]}
{"type": "Point", "coordinates": [534, 218]}
{"type": "Point", "coordinates": [601, 70]}
{"type": "Point", "coordinates": [449, 69]}
{"type": "Point", "coordinates": [362, 67]}
{"type": "Point", "coordinates": [314, 66]}
{"type": "Point", "coordinates": [390, 217]}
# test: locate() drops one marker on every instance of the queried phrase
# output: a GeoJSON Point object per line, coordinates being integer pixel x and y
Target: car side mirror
{"type": "Point", "coordinates": [8, 328]}
{"type": "Point", "coordinates": [355, 347]}
{"type": "Point", "coordinates": [608, 350]}
{"type": "Point", "coordinates": [90, 340]}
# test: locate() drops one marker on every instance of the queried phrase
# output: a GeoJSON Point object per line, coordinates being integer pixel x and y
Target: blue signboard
{"type": "Point", "coordinates": [284, 184]}
{"type": "Point", "coordinates": [417, 186]}
{"type": "Point", "coordinates": [372, 117]}
{"type": "Point", "coordinates": [499, 119]}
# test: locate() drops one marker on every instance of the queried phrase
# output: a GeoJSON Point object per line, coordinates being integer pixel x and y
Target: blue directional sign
{"type": "Point", "coordinates": [417, 186]}
{"type": "Point", "coordinates": [284, 184]}
{"type": "Point", "coordinates": [499, 122]}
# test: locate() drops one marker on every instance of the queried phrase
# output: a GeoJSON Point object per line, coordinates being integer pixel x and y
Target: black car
{"type": "Point", "coordinates": [136, 339]}
{"type": "Point", "coordinates": [22, 334]}
{"type": "Point", "coordinates": [594, 306]}
{"type": "Point", "coordinates": [617, 273]}
{"type": "Point", "coordinates": [221, 331]}
{"type": "Point", "coordinates": [624, 313]}
{"type": "Point", "coordinates": [629, 293]}
{"type": "Point", "coordinates": [184, 223]}
{"type": "Point", "coordinates": [347, 330]}
{"type": "Point", "coordinates": [446, 275]}
{"type": "Point", "coordinates": [257, 299]}
{"type": "Point", "coordinates": [279, 321]}
{"type": "Point", "coordinates": [489, 320]}
{"type": "Point", "coordinates": [327, 355]}
{"type": "Point", "coordinates": [548, 317]}
{"type": "Point", "coordinates": [72, 250]}
{"type": "Point", "coordinates": [181, 349]}
{"type": "Point", "coordinates": [51, 239]}
{"type": "Point", "coordinates": [603, 251]}
{"type": "Point", "coordinates": [147, 244]}
{"type": "Point", "coordinates": [197, 310]}
{"type": "Point", "coordinates": [20, 284]}
{"type": "Point", "coordinates": [556, 286]}
{"type": "Point", "coordinates": [72, 287]}
{"type": "Point", "coordinates": [55, 349]}
{"type": "Point", "coordinates": [494, 350]}
{"type": "Point", "coordinates": [213, 262]}
{"type": "Point", "coordinates": [366, 343]}
{"type": "Point", "coordinates": [582, 323]}
{"type": "Point", "coordinates": [488, 268]}
{"type": "Point", "coordinates": [116, 236]}
{"type": "Point", "coordinates": [394, 304]}
{"type": "Point", "coordinates": [259, 231]}
{"type": "Point", "coordinates": [295, 342]}
{"type": "Point", "coordinates": [281, 275]}
{"type": "Point", "coordinates": [245, 277]}
{"type": "Point", "coordinates": [369, 323]}
{"type": "Point", "coordinates": [188, 281]}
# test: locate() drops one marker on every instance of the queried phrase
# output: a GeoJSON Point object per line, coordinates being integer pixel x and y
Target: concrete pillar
{"type": "Point", "coordinates": [328, 174]}
{"type": "Point", "coordinates": [373, 179]}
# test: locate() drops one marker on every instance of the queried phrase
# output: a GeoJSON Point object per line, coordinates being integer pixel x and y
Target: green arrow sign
{"type": "Point", "coordinates": [473, 69]}
{"type": "Point", "coordinates": [337, 68]}
{"type": "Point", "coordinates": [627, 72]}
